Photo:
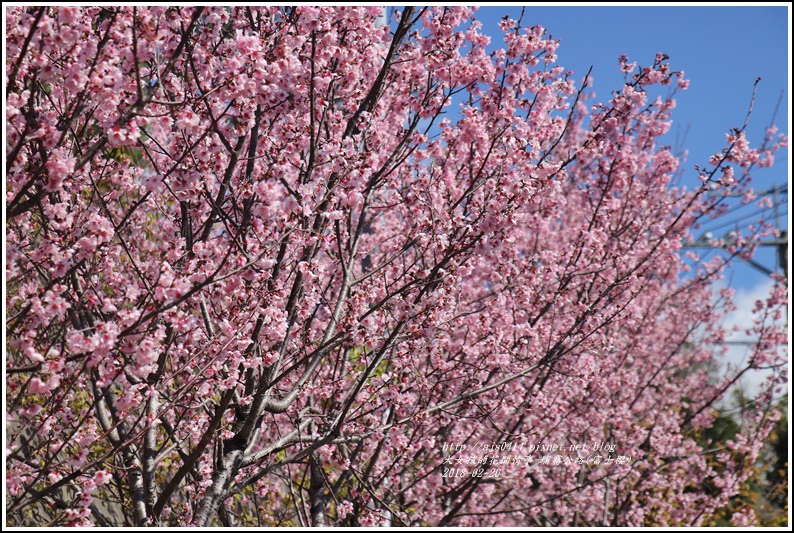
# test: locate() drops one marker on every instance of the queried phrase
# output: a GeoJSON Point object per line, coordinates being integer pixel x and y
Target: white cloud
{"type": "Point", "coordinates": [740, 344]}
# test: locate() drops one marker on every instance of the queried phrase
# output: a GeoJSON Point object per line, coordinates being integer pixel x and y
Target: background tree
{"type": "Point", "coordinates": [763, 496]}
{"type": "Point", "coordinates": [264, 263]}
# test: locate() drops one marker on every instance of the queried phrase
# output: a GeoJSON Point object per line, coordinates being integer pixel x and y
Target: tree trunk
{"type": "Point", "coordinates": [318, 498]}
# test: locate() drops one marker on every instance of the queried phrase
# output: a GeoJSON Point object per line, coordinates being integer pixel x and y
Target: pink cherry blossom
{"type": "Point", "coordinates": [278, 265]}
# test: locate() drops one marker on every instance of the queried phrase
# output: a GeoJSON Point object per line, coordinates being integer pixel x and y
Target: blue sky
{"type": "Point", "coordinates": [722, 49]}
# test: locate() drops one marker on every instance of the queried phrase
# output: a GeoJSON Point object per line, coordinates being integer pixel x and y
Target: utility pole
{"type": "Point", "coordinates": [782, 253]}
{"type": "Point", "coordinates": [780, 243]}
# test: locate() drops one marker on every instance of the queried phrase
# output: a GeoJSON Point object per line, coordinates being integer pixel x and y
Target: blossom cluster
{"type": "Point", "coordinates": [264, 256]}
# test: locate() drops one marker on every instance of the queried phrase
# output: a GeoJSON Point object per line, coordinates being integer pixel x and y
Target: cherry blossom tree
{"type": "Point", "coordinates": [292, 266]}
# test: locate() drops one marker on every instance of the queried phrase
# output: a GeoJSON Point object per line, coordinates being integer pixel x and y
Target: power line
{"type": "Point", "coordinates": [745, 217]}
{"type": "Point", "coordinates": [780, 243]}
{"type": "Point", "coordinates": [747, 204]}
